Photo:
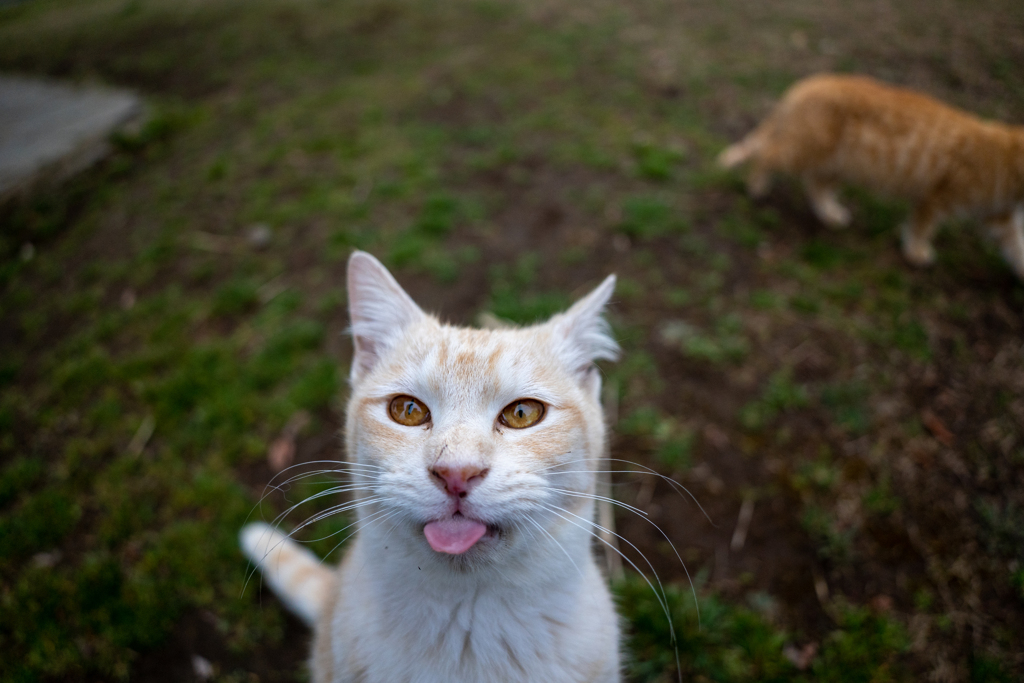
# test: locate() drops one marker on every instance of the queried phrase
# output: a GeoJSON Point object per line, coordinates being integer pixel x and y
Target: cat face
{"type": "Point", "coordinates": [476, 441]}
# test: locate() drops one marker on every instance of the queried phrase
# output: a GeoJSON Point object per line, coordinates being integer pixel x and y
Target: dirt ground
{"type": "Point", "coordinates": [849, 429]}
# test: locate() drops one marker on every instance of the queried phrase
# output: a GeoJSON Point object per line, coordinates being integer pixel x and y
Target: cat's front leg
{"type": "Point", "coordinates": [825, 202]}
{"type": "Point", "coordinates": [1008, 229]}
{"type": "Point", "coordinates": [917, 235]}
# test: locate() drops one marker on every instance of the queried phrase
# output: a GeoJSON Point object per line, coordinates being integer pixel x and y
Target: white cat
{"type": "Point", "coordinates": [474, 454]}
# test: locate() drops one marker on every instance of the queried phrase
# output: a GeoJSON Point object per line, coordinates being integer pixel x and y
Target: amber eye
{"type": "Point", "coordinates": [523, 413]}
{"type": "Point", "coordinates": [408, 411]}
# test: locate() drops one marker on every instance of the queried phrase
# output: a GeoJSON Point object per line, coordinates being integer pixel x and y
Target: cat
{"type": "Point", "coordinates": [473, 453]}
{"type": "Point", "coordinates": [830, 129]}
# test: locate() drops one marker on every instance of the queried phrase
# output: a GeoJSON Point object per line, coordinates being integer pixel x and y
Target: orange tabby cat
{"type": "Point", "coordinates": [834, 129]}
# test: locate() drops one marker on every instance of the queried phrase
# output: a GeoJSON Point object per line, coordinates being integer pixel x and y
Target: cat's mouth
{"type": "Point", "coordinates": [457, 534]}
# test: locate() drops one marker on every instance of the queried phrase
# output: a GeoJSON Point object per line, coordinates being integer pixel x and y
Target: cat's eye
{"type": "Point", "coordinates": [521, 414]}
{"type": "Point", "coordinates": [408, 411]}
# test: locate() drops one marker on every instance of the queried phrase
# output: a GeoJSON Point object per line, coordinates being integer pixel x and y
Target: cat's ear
{"type": "Point", "coordinates": [380, 311]}
{"type": "Point", "coordinates": [583, 334]}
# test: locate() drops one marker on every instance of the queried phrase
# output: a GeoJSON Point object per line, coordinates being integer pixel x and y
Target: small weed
{"type": "Point", "coordinates": [235, 297]}
{"type": "Point", "coordinates": [845, 293]}
{"type": "Point", "coordinates": [675, 450]}
{"type": "Point", "coordinates": [766, 300]}
{"type": "Point", "coordinates": [726, 344]}
{"type": "Point", "coordinates": [574, 255]}
{"type": "Point", "coordinates": [805, 303]}
{"type": "Point", "coordinates": [881, 500]}
{"type": "Point", "coordinates": [739, 227]}
{"type": "Point", "coordinates": [821, 475]}
{"type": "Point", "coordinates": [18, 477]}
{"type": "Point", "coordinates": [847, 402]}
{"type": "Point", "coordinates": [865, 649]}
{"type": "Point", "coordinates": [987, 669]}
{"type": "Point", "coordinates": [674, 444]}
{"type": "Point", "coordinates": [641, 422]}
{"type": "Point", "coordinates": [780, 396]}
{"type": "Point", "coordinates": [833, 543]}
{"type": "Point", "coordinates": [910, 336]}
{"type": "Point", "coordinates": [39, 523]}
{"type": "Point", "coordinates": [655, 162]}
{"type": "Point", "coordinates": [677, 296]}
{"type": "Point", "coordinates": [629, 289]}
{"type": "Point", "coordinates": [637, 374]}
{"type": "Point", "coordinates": [1004, 528]}
{"type": "Point", "coordinates": [1017, 581]}
{"type": "Point", "coordinates": [824, 255]}
{"type": "Point", "coordinates": [923, 600]}
{"type": "Point", "coordinates": [647, 216]}
{"type": "Point", "coordinates": [437, 216]}
{"type": "Point", "coordinates": [511, 297]}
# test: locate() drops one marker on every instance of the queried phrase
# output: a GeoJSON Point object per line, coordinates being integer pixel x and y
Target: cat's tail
{"type": "Point", "coordinates": [295, 574]}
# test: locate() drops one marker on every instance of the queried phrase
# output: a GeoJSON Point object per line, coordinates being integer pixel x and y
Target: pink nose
{"type": "Point", "coordinates": [458, 481]}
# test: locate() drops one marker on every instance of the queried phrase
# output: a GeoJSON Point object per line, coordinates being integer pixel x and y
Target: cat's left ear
{"type": "Point", "coordinates": [583, 334]}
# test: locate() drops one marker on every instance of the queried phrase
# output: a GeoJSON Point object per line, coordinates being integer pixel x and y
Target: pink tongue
{"type": "Point", "coordinates": [454, 536]}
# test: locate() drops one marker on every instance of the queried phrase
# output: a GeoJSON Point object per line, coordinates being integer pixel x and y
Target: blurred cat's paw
{"type": "Point", "coordinates": [834, 215]}
{"type": "Point", "coordinates": [758, 184]}
{"type": "Point", "coordinates": [918, 252]}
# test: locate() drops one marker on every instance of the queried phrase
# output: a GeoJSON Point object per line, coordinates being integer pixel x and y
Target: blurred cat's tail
{"type": "Point", "coordinates": [295, 574]}
{"type": "Point", "coordinates": [742, 151]}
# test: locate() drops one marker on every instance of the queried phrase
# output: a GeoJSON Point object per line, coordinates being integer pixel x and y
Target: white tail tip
{"type": "Point", "coordinates": [295, 574]}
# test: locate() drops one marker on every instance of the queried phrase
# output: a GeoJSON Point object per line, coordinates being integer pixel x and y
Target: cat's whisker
{"type": "Point", "coordinates": [556, 542]}
{"type": "Point", "coordinates": [419, 427]}
{"type": "Point", "coordinates": [644, 470]}
{"type": "Point", "coordinates": [288, 537]}
{"type": "Point", "coordinates": [363, 524]}
{"type": "Point", "coordinates": [321, 494]}
{"type": "Point", "coordinates": [643, 515]}
{"type": "Point", "coordinates": [661, 597]}
{"type": "Point", "coordinates": [270, 488]}
{"type": "Point", "coordinates": [340, 475]}
{"type": "Point", "coordinates": [594, 496]}
{"type": "Point", "coordinates": [326, 514]}
{"type": "Point", "coordinates": [334, 510]}
{"type": "Point", "coordinates": [341, 467]}
{"type": "Point", "coordinates": [396, 512]}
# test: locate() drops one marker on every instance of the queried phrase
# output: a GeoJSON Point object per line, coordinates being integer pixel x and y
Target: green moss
{"type": "Point", "coordinates": [729, 644]}
{"type": "Point", "coordinates": [39, 523]}
{"type": "Point", "coordinates": [647, 216]}
{"type": "Point", "coordinates": [780, 395]}
{"type": "Point", "coordinates": [864, 649]}
{"type": "Point", "coordinates": [847, 401]}
{"type": "Point", "coordinates": [655, 162]}
{"type": "Point", "coordinates": [235, 297]}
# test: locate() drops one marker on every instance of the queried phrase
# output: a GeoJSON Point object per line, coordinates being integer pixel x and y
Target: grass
{"type": "Point", "coordinates": [501, 158]}
{"type": "Point", "coordinates": [737, 643]}
{"type": "Point", "coordinates": [780, 395]}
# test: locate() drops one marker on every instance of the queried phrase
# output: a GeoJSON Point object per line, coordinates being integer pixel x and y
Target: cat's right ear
{"type": "Point", "coordinates": [379, 309]}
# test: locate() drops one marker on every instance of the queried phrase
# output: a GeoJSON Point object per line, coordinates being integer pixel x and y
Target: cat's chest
{"type": "Point", "coordinates": [429, 631]}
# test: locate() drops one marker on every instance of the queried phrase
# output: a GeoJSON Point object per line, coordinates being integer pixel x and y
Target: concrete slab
{"type": "Point", "coordinates": [49, 131]}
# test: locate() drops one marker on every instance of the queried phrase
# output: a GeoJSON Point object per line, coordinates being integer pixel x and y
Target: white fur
{"type": "Point", "coordinates": [291, 571]}
{"type": "Point", "coordinates": [528, 604]}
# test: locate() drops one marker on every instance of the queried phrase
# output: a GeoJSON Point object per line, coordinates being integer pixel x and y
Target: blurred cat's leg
{"type": "Point", "coordinates": [1009, 230]}
{"type": "Point", "coordinates": [825, 202]}
{"type": "Point", "coordinates": [759, 180]}
{"type": "Point", "coordinates": [917, 234]}
{"type": "Point", "coordinates": [750, 149]}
